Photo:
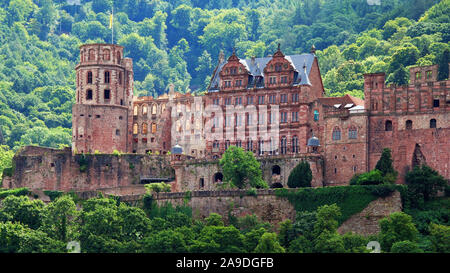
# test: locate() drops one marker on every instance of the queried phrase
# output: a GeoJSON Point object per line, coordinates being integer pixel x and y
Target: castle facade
{"type": "Point", "coordinates": [274, 107]}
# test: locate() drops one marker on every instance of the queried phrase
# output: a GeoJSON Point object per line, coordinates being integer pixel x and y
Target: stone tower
{"type": "Point", "coordinates": [102, 114]}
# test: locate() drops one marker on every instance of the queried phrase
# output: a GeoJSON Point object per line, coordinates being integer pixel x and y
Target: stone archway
{"type": "Point", "coordinates": [276, 170]}
{"type": "Point", "coordinates": [218, 177]}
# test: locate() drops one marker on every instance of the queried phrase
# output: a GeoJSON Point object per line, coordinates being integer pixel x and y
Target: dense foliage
{"type": "Point", "coordinates": [241, 169]}
{"type": "Point", "coordinates": [300, 176]}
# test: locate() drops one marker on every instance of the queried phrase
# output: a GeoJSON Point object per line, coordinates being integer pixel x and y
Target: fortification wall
{"type": "Point", "coordinates": [52, 169]}
{"type": "Point", "coordinates": [268, 207]}
{"type": "Point", "coordinates": [194, 175]}
{"type": "Point", "coordinates": [366, 222]}
{"type": "Point", "coordinates": [265, 204]}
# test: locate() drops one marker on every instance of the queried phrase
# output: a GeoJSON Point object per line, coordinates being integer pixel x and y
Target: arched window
{"type": "Point", "coordinates": [432, 123]}
{"type": "Point", "coordinates": [153, 128]}
{"type": "Point", "coordinates": [218, 177]}
{"type": "Point", "coordinates": [276, 170]}
{"type": "Point", "coordinates": [295, 144]}
{"type": "Point", "coordinates": [316, 115]}
{"type": "Point", "coordinates": [89, 77]}
{"type": "Point", "coordinates": [336, 133]}
{"type": "Point", "coordinates": [135, 110]}
{"type": "Point", "coordinates": [144, 109]}
{"type": "Point", "coordinates": [144, 128]}
{"type": "Point", "coordinates": [283, 145]}
{"type": "Point", "coordinates": [352, 132]}
{"type": "Point", "coordinates": [89, 94]}
{"type": "Point", "coordinates": [91, 56]}
{"type": "Point", "coordinates": [388, 126]}
{"type": "Point", "coordinates": [154, 108]}
{"type": "Point", "coordinates": [409, 124]}
{"type": "Point", "coordinates": [135, 129]}
{"type": "Point", "coordinates": [106, 55]}
{"type": "Point", "coordinates": [107, 78]}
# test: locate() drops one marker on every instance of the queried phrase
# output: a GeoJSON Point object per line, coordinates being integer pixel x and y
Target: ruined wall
{"type": "Point", "coordinates": [265, 204]}
{"type": "Point", "coordinates": [434, 143]}
{"type": "Point", "coordinates": [366, 222]}
{"type": "Point", "coordinates": [275, 169]}
{"type": "Point", "coordinates": [347, 156]}
{"type": "Point", "coordinates": [51, 169]}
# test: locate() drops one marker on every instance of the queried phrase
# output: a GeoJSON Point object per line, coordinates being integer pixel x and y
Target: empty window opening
{"type": "Point", "coordinates": [433, 123]}
{"type": "Point", "coordinates": [218, 177]}
{"type": "Point", "coordinates": [89, 77]}
{"type": "Point", "coordinates": [435, 103]}
{"type": "Point", "coordinates": [107, 94]}
{"type": "Point", "coordinates": [89, 95]}
{"type": "Point", "coordinates": [107, 78]}
{"type": "Point", "coordinates": [276, 170]}
{"type": "Point", "coordinates": [117, 132]}
{"type": "Point", "coordinates": [202, 183]}
{"type": "Point", "coordinates": [409, 125]}
{"type": "Point", "coordinates": [388, 126]}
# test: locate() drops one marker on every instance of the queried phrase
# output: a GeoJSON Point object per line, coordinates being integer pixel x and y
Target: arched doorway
{"type": "Point", "coordinates": [276, 170]}
{"type": "Point", "coordinates": [218, 177]}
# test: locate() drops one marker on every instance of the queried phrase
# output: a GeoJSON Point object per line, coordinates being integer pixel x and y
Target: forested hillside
{"type": "Point", "coordinates": [178, 41]}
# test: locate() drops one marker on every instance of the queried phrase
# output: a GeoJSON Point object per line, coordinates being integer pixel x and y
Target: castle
{"type": "Point", "coordinates": [273, 106]}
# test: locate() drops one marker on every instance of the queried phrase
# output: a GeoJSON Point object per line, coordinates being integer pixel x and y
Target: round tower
{"type": "Point", "coordinates": [102, 114]}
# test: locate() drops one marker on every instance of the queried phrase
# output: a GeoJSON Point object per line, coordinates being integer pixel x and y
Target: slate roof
{"type": "Point", "coordinates": [256, 68]}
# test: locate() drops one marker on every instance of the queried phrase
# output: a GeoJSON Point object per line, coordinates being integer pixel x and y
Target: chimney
{"type": "Point", "coordinates": [253, 60]}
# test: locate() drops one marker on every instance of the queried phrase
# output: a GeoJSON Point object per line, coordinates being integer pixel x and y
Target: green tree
{"type": "Point", "coordinates": [214, 219]}
{"type": "Point", "coordinates": [301, 176]}
{"type": "Point", "coordinates": [443, 61]}
{"type": "Point", "coordinates": [405, 247]}
{"type": "Point", "coordinates": [396, 228]}
{"type": "Point", "coordinates": [269, 244]}
{"type": "Point", "coordinates": [59, 219]}
{"type": "Point", "coordinates": [165, 241]}
{"type": "Point", "coordinates": [424, 182]}
{"type": "Point", "coordinates": [19, 238]}
{"type": "Point", "coordinates": [251, 239]}
{"type": "Point", "coordinates": [384, 164]}
{"type": "Point", "coordinates": [23, 210]}
{"type": "Point", "coordinates": [440, 238]}
{"type": "Point", "coordinates": [241, 168]}
{"type": "Point", "coordinates": [286, 233]}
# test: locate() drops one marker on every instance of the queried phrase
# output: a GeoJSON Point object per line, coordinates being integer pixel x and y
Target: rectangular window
{"type": "Point", "coordinates": [107, 94]}
{"type": "Point", "coordinates": [107, 77]}
{"type": "Point", "coordinates": [249, 100]}
{"type": "Point", "coordinates": [283, 117]}
{"type": "Point", "coordinates": [429, 74]}
{"type": "Point", "coordinates": [435, 103]}
{"type": "Point", "coordinates": [294, 116]}
{"type": "Point", "coordinates": [89, 95]}
{"type": "Point", "coordinates": [294, 97]}
{"type": "Point", "coordinates": [261, 119]}
{"type": "Point", "coordinates": [260, 99]}
{"type": "Point", "coordinates": [418, 75]}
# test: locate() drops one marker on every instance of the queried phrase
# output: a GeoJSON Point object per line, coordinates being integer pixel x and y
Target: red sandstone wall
{"type": "Point", "coordinates": [345, 157]}
{"type": "Point", "coordinates": [51, 169]}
